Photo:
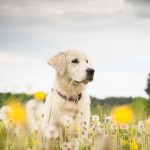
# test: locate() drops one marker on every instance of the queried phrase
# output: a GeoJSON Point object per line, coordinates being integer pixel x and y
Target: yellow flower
{"type": "Point", "coordinates": [17, 112]}
{"type": "Point", "coordinates": [77, 128]}
{"type": "Point", "coordinates": [95, 122]}
{"type": "Point", "coordinates": [134, 145]}
{"type": "Point", "coordinates": [122, 115]}
{"type": "Point", "coordinates": [40, 96]}
{"type": "Point", "coordinates": [36, 142]}
{"type": "Point", "coordinates": [125, 142]}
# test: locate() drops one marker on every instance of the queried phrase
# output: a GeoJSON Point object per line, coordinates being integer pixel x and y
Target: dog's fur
{"type": "Point", "coordinates": [71, 79]}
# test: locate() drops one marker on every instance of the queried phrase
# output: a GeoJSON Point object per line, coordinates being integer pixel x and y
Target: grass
{"type": "Point", "coordinates": [133, 136]}
{"type": "Point", "coordinates": [124, 127]}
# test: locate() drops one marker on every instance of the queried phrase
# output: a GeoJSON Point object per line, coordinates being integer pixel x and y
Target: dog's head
{"type": "Point", "coordinates": [74, 65]}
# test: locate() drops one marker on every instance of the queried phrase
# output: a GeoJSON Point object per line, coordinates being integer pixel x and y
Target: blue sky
{"type": "Point", "coordinates": [115, 34]}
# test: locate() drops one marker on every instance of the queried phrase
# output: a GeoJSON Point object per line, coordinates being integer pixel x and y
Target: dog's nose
{"type": "Point", "coordinates": [90, 71]}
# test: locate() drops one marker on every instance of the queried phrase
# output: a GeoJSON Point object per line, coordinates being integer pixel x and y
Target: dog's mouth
{"type": "Point", "coordinates": [86, 81]}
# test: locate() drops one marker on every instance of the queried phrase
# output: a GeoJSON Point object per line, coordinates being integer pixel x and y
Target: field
{"type": "Point", "coordinates": [122, 126]}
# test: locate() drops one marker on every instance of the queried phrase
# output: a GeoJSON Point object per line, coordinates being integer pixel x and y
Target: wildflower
{"type": "Point", "coordinates": [17, 112]}
{"type": "Point", "coordinates": [66, 120]}
{"type": "Point", "coordinates": [51, 132]}
{"type": "Point", "coordinates": [97, 130]}
{"type": "Point", "coordinates": [36, 142]}
{"type": "Point", "coordinates": [71, 145]}
{"type": "Point", "coordinates": [125, 142]}
{"type": "Point", "coordinates": [96, 123]}
{"type": "Point", "coordinates": [140, 126]}
{"type": "Point", "coordinates": [84, 140]}
{"type": "Point", "coordinates": [108, 119]}
{"type": "Point", "coordinates": [77, 128]}
{"type": "Point", "coordinates": [3, 112]}
{"type": "Point", "coordinates": [122, 115]}
{"type": "Point", "coordinates": [134, 145]}
{"type": "Point", "coordinates": [113, 126]}
{"type": "Point", "coordinates": [40, 96]}
{"type": "Point", "coordinates": [95, 118]}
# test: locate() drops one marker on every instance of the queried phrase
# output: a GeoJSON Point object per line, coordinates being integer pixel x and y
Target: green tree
{"type": "Point", "coordinates": [147, 90]}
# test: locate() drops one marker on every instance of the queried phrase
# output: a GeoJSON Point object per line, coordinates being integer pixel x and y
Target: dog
{"type": "Point", "coordinates": [68, 96]}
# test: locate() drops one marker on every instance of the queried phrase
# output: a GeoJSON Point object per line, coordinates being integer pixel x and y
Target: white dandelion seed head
{"type": "Point", "coordinates": [51, 132]}
{"type": "Point", "coordinates": [95, 118]}
{"type": "Point", "coordinates": [66, 120]}
{"type": "Point", "coordinates": [140, 126]}
{"type": "Point", "coordinates": [3, 112]}
{"type": "Point", "coordinates": [97, 129]}
{"type": "Point", "coordinates": [113, 126]}
{"type": "Point", "coordinates": [108, 119]}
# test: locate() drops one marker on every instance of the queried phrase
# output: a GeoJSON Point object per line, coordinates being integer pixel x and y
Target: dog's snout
{"type": "Point", "coordinates": [90, 71]}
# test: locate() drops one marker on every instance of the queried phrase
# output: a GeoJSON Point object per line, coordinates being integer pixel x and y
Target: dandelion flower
{"type": "Point", "coordinates": [140, 126]}
{"type": "Point", "coordinates": [51, 132]}
{"type": "Point", "coordinates": [134, 145]}
{"type": "Point", "coordinates": [96, 129]}
{"type": "Point", "coordinates": [40, 96]}
{"type": "Point", "coordinates": [125, 142]}
{"type": "Point", "coordinates": [108, 119]}
{"type": "Point", "coordinates": [77, 128]}
{"type": "Point", "coordinates": [36, 142]}
{"type": "Point", "coordinates": [122, 115]}
{"type": "Point", "coordinates": [3, 112]}
{"type": "Point", "coordinates": [95, 118]}
{"type": "Point", "coordinates": [17, 112]}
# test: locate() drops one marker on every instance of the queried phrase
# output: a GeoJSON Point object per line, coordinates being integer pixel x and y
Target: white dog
{"type": "Point", "coordinates": [68, 96]}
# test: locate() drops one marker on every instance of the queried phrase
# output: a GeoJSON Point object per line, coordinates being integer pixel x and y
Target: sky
{"type": "Point", "coordinates": [115, 35]}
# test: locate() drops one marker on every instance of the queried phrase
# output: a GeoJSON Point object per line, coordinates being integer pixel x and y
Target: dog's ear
{"type": "Point", "coordinates": [58, 62]}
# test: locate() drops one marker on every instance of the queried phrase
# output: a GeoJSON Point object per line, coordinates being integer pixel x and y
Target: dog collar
{"type": "Point", "coordinates": [71, 98]}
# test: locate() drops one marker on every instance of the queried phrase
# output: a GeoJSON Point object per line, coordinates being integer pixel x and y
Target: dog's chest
{"type": "Point", "coordinates": [72, 109]}
{"type": "Point", "coordinates": [71, 106]}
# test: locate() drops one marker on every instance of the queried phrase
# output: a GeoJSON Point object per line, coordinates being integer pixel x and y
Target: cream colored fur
{"type": "Point", "coordinates": [55, 106]}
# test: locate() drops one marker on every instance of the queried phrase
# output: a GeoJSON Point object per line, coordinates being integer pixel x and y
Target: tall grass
{"type": "Point", "coordinates": [111, 128]}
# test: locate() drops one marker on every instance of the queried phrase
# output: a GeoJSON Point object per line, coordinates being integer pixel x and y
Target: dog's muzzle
{"type": "Point", "coordinates": [89, 76]}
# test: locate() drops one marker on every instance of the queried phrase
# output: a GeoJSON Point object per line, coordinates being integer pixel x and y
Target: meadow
{"type": "Point", "coordinates": [116, 124]}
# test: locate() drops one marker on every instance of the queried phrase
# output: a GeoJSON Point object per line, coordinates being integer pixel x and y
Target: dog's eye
{"type": "Point", "coordinates": [75, 61]}
{"type": "Point", "coordinates": [87, 61]}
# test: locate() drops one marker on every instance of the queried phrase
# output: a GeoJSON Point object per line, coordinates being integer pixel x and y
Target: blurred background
{"type": "Point", "coordinates": [115, 34]}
